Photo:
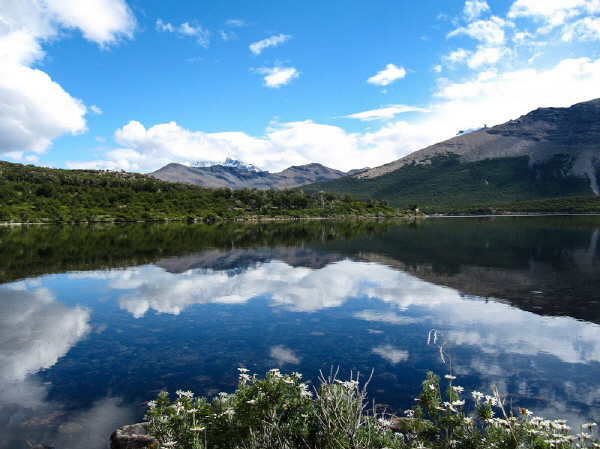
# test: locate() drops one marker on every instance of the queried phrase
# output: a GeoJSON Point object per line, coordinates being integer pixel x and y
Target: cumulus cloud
{"type": "Point", "coordinates": [190, 29]}
{"type": "Point", "coordinates": [586, 29]}
{"type": "Point", "coordinates": [276, 77]}
{"type": "Point", "coordinates": [488, 97]}
{"type": "Point", "coordinates": [485, 97]}
{"type": "Point", "coordinates": [489, 32]}
{"type": "Point", "coordinates": [35, 110]}
{"type": "Point", "coordinates": [100, 21]}
{"type": "Point", "coordinates": [388, 75]}
{"type": "Point", "coordinates": [284, 144]}
{"type": "Point", "coordinates": [492, 38]}
{"type": "Point", "coordinates": [474, 8]}
{"type": "Point", "coordinates": [257, 47]}
{"type": "Point", "coordinates": [552, 13]}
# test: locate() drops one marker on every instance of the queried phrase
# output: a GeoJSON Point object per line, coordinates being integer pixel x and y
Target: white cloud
{"type": "Point", "coordinates": [552, 12]}
{"type": "Point", "coordinates": [100, 21]}
{"type": "Point", "coordinates": [457, 56]}
{"type": "Point", "coordinates": [164, 27]}
{"type": "Point", "coordinates": [277, 76]}
{"type": "Point", "coordinates": [474, 8]}
{"type": "Point", "coordinates": [36, 110]}
{"type": "Point", "coordinates": [257, 47]}
{"type": "Point", "coordinates": [385, 113]}
{"type": "Point", "coordinates": [387, 76]}
{"type": "Point", "coordinates": [489, 97]}
{"type": "Point", "coordinates": [190, 29]}
{"type": "Point", "coordinates": [95, 109]}
{"type": "Point", "coordinates": [486, 56]}
{"type": "Point", "coordinates": [20, 47]}
{"type": "Point", "coordinates": [586, 29]}
{"type": "Point", "coordinates": [570, 81]}
{"type": "Point", "coordinates": [27, 23]}
{"type": "Point", "coordinates": [489, 32]}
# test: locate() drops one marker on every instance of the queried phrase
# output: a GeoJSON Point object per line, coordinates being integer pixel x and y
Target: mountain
{"type": "Point", "coordinates": [229, 163]}
{"type": "Point", "coordinates": [236, 174]}
{"type": "Point", "coordinates": [545, 154]}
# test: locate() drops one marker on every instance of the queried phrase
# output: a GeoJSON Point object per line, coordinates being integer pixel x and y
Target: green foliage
{"type": "Point", "coordinates": [446, 185]}
{"type": "Point", "coordinates": [280, 411]}
{"type": "Point", "coordinates": [34, 250]}
{"type": "Point", "coordinates": [31, 194]}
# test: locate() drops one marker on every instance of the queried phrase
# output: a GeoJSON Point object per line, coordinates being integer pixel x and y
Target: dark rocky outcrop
{"type": "Point", "coordinates": [133, 436]}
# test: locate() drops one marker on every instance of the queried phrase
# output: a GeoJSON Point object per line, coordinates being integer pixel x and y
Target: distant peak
{"type": "Point", "coordinates": [229, 162]}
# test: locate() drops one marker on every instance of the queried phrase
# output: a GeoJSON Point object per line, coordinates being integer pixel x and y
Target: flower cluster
{"type": "Point", "coordinates": [281, 411]}
{"type": "Point", "coordinates": [442, 423]}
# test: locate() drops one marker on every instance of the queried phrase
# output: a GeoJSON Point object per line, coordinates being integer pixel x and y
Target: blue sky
{"type": "Point", "coordinates": [135, 85]}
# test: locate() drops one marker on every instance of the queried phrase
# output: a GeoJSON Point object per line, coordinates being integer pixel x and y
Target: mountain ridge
{"type": "Point", "coordinates": [548, 153]}
{"type": "Point", "coordinates": [539, 134]}
{"type": "Point", "coordinates": [239, 176]}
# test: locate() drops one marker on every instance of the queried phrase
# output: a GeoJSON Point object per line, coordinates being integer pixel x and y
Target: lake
{"type": "Point", "coordinates": [97, 319]}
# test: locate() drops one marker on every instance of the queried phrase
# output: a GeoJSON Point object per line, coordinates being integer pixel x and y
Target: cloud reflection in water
{"type": "Point", "coordinates": [36, 332]}
{"type": "Point", "coordinates": [489, 325]}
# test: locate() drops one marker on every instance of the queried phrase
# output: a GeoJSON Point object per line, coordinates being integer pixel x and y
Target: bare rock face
{"type": "Point", "coordinates": [133, 436]}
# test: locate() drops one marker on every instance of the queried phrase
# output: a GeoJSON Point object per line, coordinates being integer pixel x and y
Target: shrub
{"type": "Point", "coordinates": [281, 411]}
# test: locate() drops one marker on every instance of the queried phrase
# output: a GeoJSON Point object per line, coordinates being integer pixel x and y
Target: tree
{"type": "Point", "coordinates": [413, 207]}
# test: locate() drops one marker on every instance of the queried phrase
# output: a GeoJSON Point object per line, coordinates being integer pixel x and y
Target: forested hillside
{"type": "Point", "coordinates": [39, 194]}
{"type": "Point", "coordinates": [447, 185]}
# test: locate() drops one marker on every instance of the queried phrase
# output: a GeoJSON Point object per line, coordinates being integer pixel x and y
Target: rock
{"type": "Point", "coordinates": [133, 436]}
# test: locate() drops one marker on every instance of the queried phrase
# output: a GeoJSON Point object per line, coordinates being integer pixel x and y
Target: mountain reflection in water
{"type": "Point", "coordinates": [82, 349]}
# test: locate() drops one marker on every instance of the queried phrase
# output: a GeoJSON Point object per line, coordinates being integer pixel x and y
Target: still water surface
{"type": "Point", "coordinates": [94, 321]}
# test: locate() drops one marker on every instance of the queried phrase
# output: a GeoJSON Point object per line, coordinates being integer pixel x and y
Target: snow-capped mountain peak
{"type": "Point", "coordinates": [229, 162]}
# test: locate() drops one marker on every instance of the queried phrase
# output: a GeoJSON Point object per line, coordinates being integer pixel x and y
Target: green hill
{"type": "Point", "coordinates": [447, 185]}
{"type": "Point", "coordinates": [30, 194]}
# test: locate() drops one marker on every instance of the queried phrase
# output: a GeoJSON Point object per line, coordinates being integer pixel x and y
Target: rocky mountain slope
{"type": "Point", "coordinates": [547, 153]}
{"type": "Point", "coordinates": [237, 176]}
{"type": "Point", "coordinates": [539, 135]}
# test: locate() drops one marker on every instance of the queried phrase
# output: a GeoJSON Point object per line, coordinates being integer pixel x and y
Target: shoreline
{"type": "Point", "coordinates": [283, 219]}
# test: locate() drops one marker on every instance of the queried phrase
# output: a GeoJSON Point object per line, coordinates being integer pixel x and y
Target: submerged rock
{"type": "Point", "coordinates": [133, 436]}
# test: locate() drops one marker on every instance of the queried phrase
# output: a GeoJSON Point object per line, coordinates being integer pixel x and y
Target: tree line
{"type": "Point", "coordinates": [30, 194]}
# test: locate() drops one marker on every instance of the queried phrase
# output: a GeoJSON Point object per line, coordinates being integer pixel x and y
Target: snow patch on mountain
{"type": "Point", "coordinates": [229, 163]}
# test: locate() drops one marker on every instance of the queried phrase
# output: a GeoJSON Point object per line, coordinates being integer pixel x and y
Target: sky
{"type": "Point", "coordinates": [134, 85]}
